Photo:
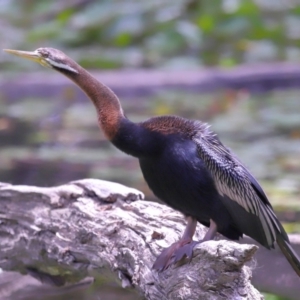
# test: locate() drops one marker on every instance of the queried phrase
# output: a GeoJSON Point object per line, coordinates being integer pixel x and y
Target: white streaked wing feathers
{"type": "Point", "coordinates": [233, 180]}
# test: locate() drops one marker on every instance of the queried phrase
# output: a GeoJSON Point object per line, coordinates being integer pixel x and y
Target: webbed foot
{"type": "Point", "coordinates": [174, 253]}
{"type": "Point", "coordinates": [184, 247]}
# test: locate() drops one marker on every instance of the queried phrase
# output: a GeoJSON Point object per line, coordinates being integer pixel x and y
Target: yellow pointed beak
{"type": "Point", "coordinates": [31, 55]}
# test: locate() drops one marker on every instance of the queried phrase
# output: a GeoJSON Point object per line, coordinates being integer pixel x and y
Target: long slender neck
{"type": "Point", "coordinates": [129, 137]}
{"type": "Point", "coordinates": [109, 110]}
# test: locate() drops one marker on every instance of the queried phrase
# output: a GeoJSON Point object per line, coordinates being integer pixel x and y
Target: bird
{"type": "Point", "coordinates": [185, 165]}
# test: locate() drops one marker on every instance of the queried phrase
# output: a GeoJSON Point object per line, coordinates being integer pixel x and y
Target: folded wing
{"type": "Point", "coordinates": [241, 193]}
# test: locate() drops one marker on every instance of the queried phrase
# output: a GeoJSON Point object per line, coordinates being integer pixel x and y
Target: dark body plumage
{"type": "Point", "coordinates": [176, 174]}
{"type": "Point", "coordinates": [174, 171]}
{"type": "Point", "coordinates": [185, 165]}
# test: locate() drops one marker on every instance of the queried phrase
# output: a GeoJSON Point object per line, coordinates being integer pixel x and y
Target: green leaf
{"type": "Point", "coordinates": [123, 39]}
{"type": "Point", "coordinates": [227, 62]}
{"type": "Point", "coordinates": [65, 15]}
{"type": "Point", "coordinates": [247, 8]}
{"type": "Point", "coordinates": [206, 23]}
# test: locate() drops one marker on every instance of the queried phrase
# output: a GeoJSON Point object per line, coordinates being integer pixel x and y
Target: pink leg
{"type": "Point", "coordinates": [184, 247]}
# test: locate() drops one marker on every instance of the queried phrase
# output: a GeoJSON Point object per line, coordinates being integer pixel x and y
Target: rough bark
{"type": "Point", "coordinates": [63, 234]}
{"type": "Point", "coordinates": [273, 274]}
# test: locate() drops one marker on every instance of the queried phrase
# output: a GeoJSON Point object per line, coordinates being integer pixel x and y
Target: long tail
{"type": "Point", "coordinates": [288, 252]}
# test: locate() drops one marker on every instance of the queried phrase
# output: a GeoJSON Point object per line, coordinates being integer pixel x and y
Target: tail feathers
{"type": "Point", "coordinates": [288, 252]}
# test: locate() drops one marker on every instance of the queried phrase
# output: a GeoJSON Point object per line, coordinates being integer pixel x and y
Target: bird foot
{"type": "Point", "coordinates": [173, 254]}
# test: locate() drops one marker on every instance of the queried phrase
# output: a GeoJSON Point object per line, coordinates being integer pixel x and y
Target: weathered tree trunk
{"type": "Point", "coordinates": [273, 274]}
{"type": "Point", "coordinates": [63, 234]}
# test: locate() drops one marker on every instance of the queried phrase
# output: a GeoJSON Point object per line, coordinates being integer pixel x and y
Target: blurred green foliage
{"type": "Point", "coordinates": [110, 34]}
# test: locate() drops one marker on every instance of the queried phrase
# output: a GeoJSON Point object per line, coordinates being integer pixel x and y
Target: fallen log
{"type": "Point", "coordinates": [92, 228]}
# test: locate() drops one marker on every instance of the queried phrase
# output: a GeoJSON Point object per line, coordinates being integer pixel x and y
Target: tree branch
{"type": "Point", "coordinates": [273, 273]}
{"type": "Point", "coordinates": [63, 234]}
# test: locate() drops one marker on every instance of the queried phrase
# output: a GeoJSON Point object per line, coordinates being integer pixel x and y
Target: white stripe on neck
{"type": "Point", "coordinates": [61, 65]}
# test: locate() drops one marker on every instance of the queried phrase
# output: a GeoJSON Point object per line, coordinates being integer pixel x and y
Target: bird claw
{"type": "Point", "coordinates": [186, 251]}
{"type": "Point", "coordinates": [173, 254]}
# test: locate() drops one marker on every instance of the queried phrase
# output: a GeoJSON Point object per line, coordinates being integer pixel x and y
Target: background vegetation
{"type": "Point", "coordinates": [50, 141]}
{"type": "Point", "coordinates": [158, 33]}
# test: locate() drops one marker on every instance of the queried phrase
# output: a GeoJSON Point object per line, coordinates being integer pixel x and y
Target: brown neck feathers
{"type": "Point", "coordinates": [107, 104]}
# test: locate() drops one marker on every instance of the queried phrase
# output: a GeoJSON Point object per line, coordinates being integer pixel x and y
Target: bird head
{"type": "Point", "coordinates": [47, 57]}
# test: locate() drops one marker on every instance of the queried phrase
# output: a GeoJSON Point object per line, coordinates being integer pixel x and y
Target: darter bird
{"type": "Point", "coordinates": [185, 165]}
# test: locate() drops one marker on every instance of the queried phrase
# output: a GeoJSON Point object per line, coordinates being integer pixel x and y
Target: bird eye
{"type": "Point", "coordinates": [43, 52]}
